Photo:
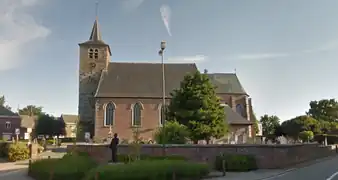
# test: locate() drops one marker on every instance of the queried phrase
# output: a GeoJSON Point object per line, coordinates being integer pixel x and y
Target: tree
{"type": "Point", "coordinates": [196, 105]}
{"type": "Point", "coordinates": [254, 119]}
{"type": "Point", "coordinates": [3, 103]}
{"type": "Point", "coordinates": [31, 110]}
{"type": "Point", "coordinates": [306, 136]}
{"type": "Point", "coordinates": [298, 124]}
{"type": "Point", "coordinates": [325, 110]}
{"type": "Point", "coordinates": [172, 133]}
{"type": "Point", "coordinates": [48, 125]}
{"type": "Point", "coordinates": [269, 124]}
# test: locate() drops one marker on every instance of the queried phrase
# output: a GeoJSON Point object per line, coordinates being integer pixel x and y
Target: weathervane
{"type": "Point", "coordinates": [96, 8]}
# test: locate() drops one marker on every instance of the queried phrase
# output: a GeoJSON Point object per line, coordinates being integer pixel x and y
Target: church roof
{"type": "Point", "coordinates": [226, 83]}
{"type": "Point", "coordinates": [233, 117]}
{"type": "Point", "coordinates": [141, 79]}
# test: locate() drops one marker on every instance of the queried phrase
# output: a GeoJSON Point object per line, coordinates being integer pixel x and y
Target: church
{"type": "Point", "coordinates": [116, 97]}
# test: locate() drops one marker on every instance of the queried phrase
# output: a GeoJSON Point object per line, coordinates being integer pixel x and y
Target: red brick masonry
{"type": "Point", "coordinates": [267, 156]}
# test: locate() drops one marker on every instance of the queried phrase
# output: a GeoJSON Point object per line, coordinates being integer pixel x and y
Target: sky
{"type": "Point", "coordinates": [285, 53]}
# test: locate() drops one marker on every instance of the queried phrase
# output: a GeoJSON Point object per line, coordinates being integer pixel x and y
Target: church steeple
{"type": "Point", "coordinates": [96, 33]}
{"type": "Point", "coordinates": [95, 38]}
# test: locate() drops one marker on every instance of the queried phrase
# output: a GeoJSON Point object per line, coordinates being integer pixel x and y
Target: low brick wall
{"type": "Point", "coordinates": [267, 156]}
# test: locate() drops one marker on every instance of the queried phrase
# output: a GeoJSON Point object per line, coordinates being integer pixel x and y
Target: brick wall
{"type": "Point", "coordinates": [267, 156]}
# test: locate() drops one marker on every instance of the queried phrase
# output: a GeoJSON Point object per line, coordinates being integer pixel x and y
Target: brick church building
{"type": "Point", "coordinates": [115, 96]}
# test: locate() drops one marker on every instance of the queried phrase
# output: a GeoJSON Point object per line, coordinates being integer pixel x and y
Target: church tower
{"type": "Point", "coordinates": [94, 58]}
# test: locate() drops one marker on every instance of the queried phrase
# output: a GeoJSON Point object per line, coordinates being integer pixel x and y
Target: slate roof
{"type": "Point", "coordinates": [226, 83]}
{"type": "Point", "coordinates": [68, 118]}
{"type": "Point", "coordinates": [141, 79]}
{"type": "Point", "coordinates": [28, 121]}
{"type": "Point", "coordinates": [233, 117]}
{"type": "Point", "coordinates": [96, 37]}
{"type": "Point", "coordinates": [6, 112]}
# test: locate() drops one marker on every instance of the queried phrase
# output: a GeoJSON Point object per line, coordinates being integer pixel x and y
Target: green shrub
{"type": "Point", "coordinates": [72, 167]}
{"type": "Point", "coordinates": [236, 162]}
{"type": "Point", "coordinates": [150, 170]}
{"type": "Point", "coordinates": [17, 152]}
{"type": "Point", "coordinates": [172, 133]}
{"type": "Point", "coordinates": [127, 158]}
{"type": "Point", "coordinates": [3, 149]}
{"type": "Point", "coordinates": [67, 140]}
{"type": "Point", "coordinates": [306, 136]}
{"type": "Point", "coordinates": [50, 141]}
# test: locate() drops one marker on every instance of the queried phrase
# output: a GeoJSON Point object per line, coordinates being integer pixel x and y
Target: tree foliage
{"type": "Point", "coordinates": [3, 103]}
{"type": "Point", "coordinates": [306, 135]}
{"type": "Point", "coordinates": [31, 110]}
{"type": "Point", "coordinates": [269, 124]}
{"type": "Point", "coordinates": [298, 124]}
{"type": "Point", "coordinates": [48, 125]}
{"type": "Point", "coordinates": [172, 133]}
{"type": "Point", "coordinates": [325, 110]}
{"type": "Point", "coordinates": [196, 105]}
{"type": "Point", "coordinates": [255, 125]}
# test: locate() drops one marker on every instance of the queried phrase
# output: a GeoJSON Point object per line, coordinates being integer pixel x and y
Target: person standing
{"type": "Point", "coordinates": [113, 146]}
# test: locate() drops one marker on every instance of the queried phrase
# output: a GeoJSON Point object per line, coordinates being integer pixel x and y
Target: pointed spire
{"type": "Point", "coordinates": [96, 34]}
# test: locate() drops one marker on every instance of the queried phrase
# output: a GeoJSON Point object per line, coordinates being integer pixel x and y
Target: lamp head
{"type": "Point", "coordinates": [163, 45]}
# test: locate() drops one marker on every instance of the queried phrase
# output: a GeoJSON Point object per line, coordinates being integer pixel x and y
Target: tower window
{"type": "Point", "coordinates": [90, 53]}
{"type": "Point", "coordinates": [93, 53]}
{"type": "Point", "coordinates": [96, 54]}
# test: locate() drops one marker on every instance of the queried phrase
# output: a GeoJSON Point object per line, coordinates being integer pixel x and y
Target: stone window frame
{"type": "Point", "coordinates": [132, 114]}
{"type": "Point", "coordinates": [105, 114]}
{"type": "Point", "coordinates": [8, 124]}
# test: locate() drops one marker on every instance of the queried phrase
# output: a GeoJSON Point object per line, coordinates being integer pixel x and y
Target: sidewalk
{"type": "Point", "coordinates": [20, 174]}
{"type": "Point", "coordinates": [252, 175]}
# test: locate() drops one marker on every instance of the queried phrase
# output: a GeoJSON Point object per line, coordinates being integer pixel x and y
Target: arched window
{"type": "Point", "coordinates": [109, 116]}
{"type": "Point", "coordinates": [90, 53]}
{"type": "Point", "coordinates": [136, 114]}
{"type": "Point", "coordinates": [96, 53]}
{"type": "Point", "coordinates": [239, 109]}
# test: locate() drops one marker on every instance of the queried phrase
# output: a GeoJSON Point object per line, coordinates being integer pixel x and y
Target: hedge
{"type": "Point", "coordinates": [235, 162]}
{"type": "Point", "coordinates": [128, 158]}
{"type": "Point", "coordinates": [150, 170]}
{"type": "Point", "coordinates": [14, 151]}
{"type": "Point", "coordinates": [72, 167]}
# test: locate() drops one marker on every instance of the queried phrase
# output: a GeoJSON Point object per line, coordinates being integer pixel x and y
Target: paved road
{"type": "Point", "coordinates": [325, 170]}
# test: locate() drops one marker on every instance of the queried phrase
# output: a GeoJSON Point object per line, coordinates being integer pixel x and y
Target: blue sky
{"type": "Point", "coordinates": [284, 52]}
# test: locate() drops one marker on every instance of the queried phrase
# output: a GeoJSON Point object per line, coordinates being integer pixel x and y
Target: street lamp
{"type": "Point", "coordinates": [161, 53]}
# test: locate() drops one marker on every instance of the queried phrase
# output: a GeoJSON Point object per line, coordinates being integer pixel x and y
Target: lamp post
{"type": "Point", "coordinates": [161, 53]}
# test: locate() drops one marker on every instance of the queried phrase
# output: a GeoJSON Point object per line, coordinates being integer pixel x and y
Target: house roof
{"type": "Point", "coordinates": [6, 112]}
{"type": "Point", "coordinates": [28, 121]}
{"type": "Point", "coordinates": [141, 79]}
{"type": "Point", "coordinates": [233, 117]}
{"type": "Point", "coordinates": [226, 83]}
{"type": "Point", "coordinates": [68, 118]}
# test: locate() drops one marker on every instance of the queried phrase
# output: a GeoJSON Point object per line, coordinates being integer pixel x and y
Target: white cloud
{"type": "Point", "coordinates": [188, 59]}
{"type": "Point", "coordinates": [260, 56]}
{"type": "Point", "coordinates": [130, 5]}
{"type": "Point", "coordinates": [18, 28]}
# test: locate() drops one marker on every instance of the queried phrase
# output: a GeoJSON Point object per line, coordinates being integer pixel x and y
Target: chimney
{"type": "Point", "coordinates": [205, 71]}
